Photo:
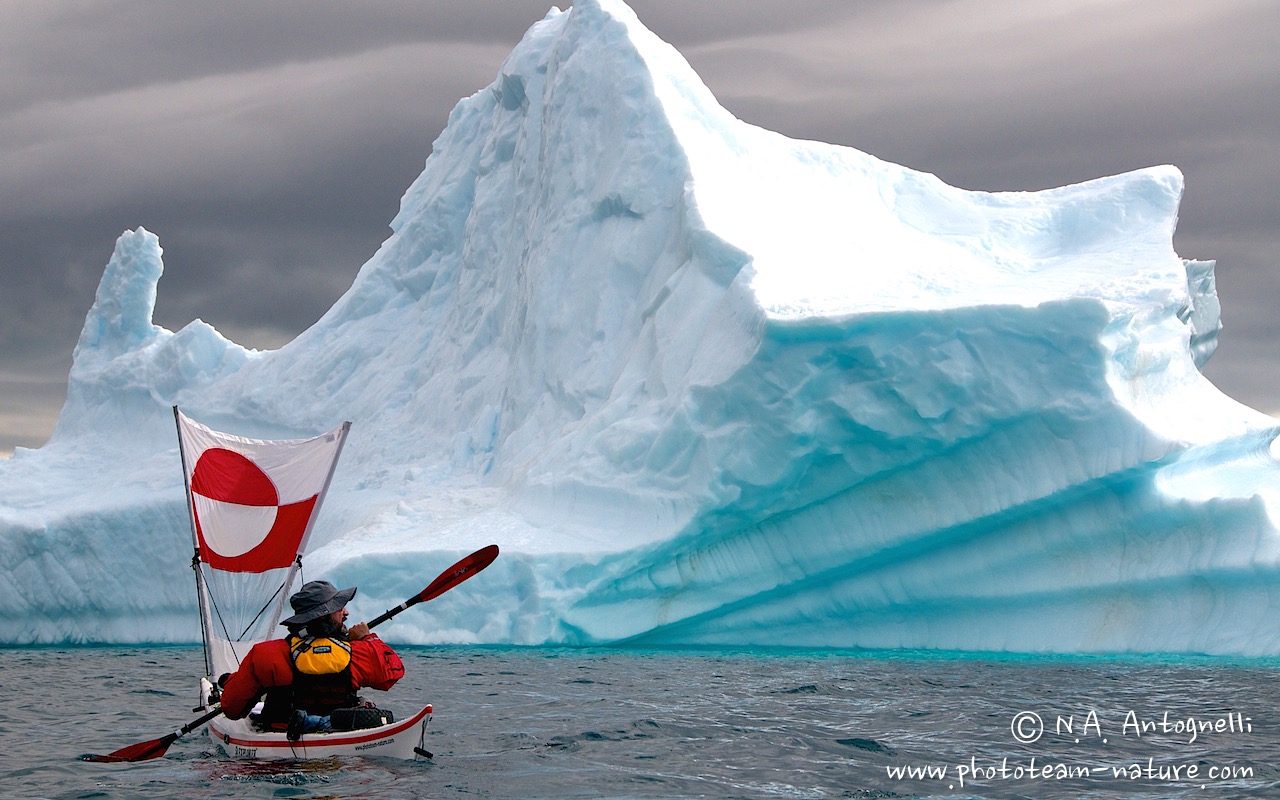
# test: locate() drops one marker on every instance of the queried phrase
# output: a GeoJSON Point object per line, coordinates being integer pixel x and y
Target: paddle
{"type": "Point", "coordinates": [154, 748]}
{"type": "Point", "coordinates": [451, 577]}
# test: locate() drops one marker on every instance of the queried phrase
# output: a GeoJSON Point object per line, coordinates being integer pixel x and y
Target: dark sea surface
{"type": "Point", "coordinates": [569, 723]}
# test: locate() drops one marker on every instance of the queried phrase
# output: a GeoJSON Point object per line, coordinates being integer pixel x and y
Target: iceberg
{"type": "Point", "coordinates": [704, 385]}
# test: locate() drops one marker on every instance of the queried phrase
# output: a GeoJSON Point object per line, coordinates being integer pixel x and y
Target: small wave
{"type": "Point", "coordinates": [870, 745]}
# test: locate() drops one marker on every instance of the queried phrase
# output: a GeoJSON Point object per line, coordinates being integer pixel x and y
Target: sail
{"type": "Point", "coordinates": [252, 504]}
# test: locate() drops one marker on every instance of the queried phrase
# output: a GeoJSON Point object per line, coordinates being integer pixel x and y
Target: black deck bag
{"type": "Point", "coordinates": [354, 719]}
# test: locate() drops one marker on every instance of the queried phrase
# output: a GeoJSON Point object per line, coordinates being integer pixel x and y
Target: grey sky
{"type": "Point", "coordinates": [268, 143]}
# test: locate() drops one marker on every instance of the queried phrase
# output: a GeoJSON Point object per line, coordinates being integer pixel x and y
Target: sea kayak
{"type": "Point", "coordinates": [241, 739]}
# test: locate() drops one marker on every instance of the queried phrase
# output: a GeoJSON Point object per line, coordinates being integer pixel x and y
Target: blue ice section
{"type": "Point", "coordinates": [702, 384]}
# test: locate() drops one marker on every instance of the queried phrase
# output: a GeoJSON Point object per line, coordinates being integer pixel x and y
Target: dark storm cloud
{"type": "Point", "coordinates": [59, 50]}
{"type": "Point", "coordinates": [268, 144]}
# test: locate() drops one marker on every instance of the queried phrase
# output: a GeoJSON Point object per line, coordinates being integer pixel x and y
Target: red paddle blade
{"type": "Point", "coordinates": [142, 751]}
{"type": "Point", "coordinates": [459, 572]}
{"type": "Point", "coordinates": [153, 748]}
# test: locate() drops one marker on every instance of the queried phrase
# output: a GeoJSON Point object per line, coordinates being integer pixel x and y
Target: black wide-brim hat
{"type": "Point", "coordinates": [317, 599]}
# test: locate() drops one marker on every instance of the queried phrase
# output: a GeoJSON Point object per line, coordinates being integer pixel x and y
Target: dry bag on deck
{"type": "Point", "coordinates": [354, 719]}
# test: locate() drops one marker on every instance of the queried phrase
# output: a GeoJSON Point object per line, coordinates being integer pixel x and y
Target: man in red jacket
{"type": "Point", "coordinates": [317, 668]}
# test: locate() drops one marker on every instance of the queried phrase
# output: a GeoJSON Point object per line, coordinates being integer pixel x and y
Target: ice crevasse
{"type": "Point", "coordinates": [703, 384]}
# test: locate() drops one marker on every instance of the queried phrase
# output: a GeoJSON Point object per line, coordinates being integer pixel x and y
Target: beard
{"type": "Point", "coordinates": [327, 627]}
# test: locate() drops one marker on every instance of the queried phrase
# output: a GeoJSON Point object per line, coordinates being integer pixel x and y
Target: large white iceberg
{"type": "Point", "coordinates": [703, 384]}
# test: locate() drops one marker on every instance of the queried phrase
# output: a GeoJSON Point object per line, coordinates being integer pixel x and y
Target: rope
{"type": "Point", "coordinates": [261, 611]}
{"type": "Point", "coordinates": [218, 612]}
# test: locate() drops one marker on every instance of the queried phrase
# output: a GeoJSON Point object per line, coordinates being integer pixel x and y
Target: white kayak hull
{"type": "Point", "coordinates": [240, 739]}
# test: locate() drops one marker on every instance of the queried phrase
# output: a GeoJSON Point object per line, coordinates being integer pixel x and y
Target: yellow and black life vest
{"type": "Point", "coordinates": [319, 655]}
{"type": "Point", "coordinates": [321, 679]}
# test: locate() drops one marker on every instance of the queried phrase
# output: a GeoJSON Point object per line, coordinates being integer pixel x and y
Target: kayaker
{"type": "Point", "coordinates": [316, 669]}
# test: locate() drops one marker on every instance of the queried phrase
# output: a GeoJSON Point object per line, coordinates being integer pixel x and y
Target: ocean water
{"type": "Point", "coordinates": [603, 723]}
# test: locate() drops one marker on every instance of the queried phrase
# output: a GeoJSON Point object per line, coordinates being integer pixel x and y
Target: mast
{"type": "Point", "coordinates": [201, 589]}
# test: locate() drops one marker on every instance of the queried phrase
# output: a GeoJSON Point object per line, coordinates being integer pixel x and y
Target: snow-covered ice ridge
{"type": "Point", "coordinates": [703, 384]}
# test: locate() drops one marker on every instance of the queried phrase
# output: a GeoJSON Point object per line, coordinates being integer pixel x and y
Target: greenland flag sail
{"type": "Point", "coordinates": [253, 503]}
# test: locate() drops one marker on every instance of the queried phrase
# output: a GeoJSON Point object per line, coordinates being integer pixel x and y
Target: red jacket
{"type": "Point", "coordinates": [373, 664]}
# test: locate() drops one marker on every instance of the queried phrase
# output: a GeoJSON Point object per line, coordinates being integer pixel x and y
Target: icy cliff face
{"type": "Point", "coordinates": [703, 384]}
